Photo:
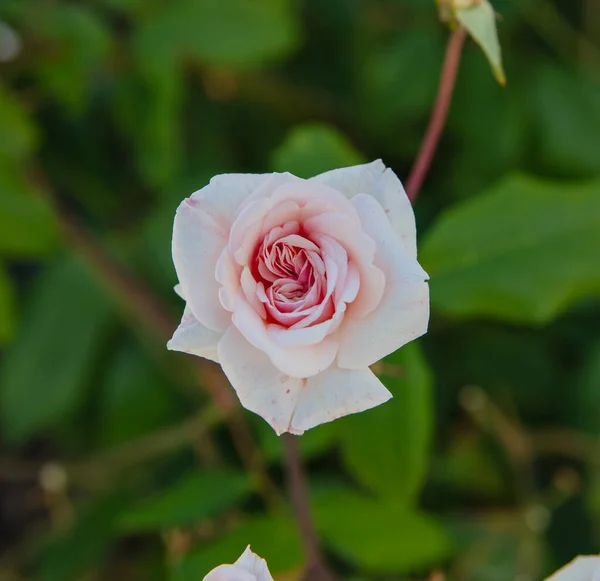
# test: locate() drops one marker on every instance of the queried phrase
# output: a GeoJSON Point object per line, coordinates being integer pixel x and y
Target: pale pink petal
{"type": "Point", "coordinates": [198, 239]}
{"type": "Point", "coordinates": [302, 361]}
{"type": "Point", "coordinates": [383, 184]}
{"type": "Point", "coordinates": [260, 386]}
{"type": "Point", "coordinates": [193, 337]}
{"type": "Point", "coordinates": [179, 291]}
{"type": "Point", "coordinates": [226, 193]}
{"type": "Point", "coordinates": [403, 313]}
{"type": "Point", "coordinates": [227, 273]}
{"type": "Point", "coordinates": [585, 568]}
{"type": "Point", "coordinates": [336, 393]}
{"type": "Point", "coordinates": [252, 563]}
{"type": "Point", "coordinates": [361, 250]}
{"type": "Point", "coordinates": [249, 288]}
{"type": "Point", "coordinates": [229, 573]}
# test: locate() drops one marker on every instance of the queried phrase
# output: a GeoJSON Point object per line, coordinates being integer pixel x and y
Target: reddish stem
{"type": "Point", "coordinates": [438, 117]}
{"type": "Point", "coordinates": [315, 569]}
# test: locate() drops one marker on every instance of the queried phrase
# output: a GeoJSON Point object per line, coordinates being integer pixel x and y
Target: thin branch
{"type": "Point", "coordinates": [315, 570]}
{"type": "Point", "coordinates": [438, 117]}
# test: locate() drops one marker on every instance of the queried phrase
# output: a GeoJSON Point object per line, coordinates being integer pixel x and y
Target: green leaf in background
{"type": "Point", "coordinates": [196, 496]}
{"type": "Point", "coordinates": [231, 33]}
{"type": "Point", "coordinates": [27, 225]}
{"type": "Point", "coordinates": [134, 399]}
{"type": "Point", "coordinates": [468, 467]}
{"type": "Point", "coordinates": [479, 18]}
{"type": "Point", "coordinates": [381, 537]}
{"type": "Point", "coordinates": [314, 148]}
{"type": "Point", "coordinates": [388, 448]}
{"type": "Point", "coordinates": [17, 132]}
{"type": "Point", "coordinates": [7, 306]}
{"type": "Point", "coordinates": [46, 371]}
{"type": "Point", "coordinates": [565, 109]}
{"type": "Point", "coordinates": [523, 251]}
{"type": "Point", "coordinates": [586, 395]}
{"type": "Point", "coordinates": [67, 556]}
{"type": "Point", "coordinates": [148, 112]}
{"type": "Point", "coordinates": [80, 44]}
{"type": "Point", "coordinates": [273, 537]}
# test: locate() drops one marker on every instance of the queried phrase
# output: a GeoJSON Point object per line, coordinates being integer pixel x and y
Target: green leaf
{"type": "Point", "coordinates": [46, 371]}
{"type": "Point", "coordinates": [388, 448]}
{"type": "Point", "coordinates": [80, 44]}
{"type": "Point", "coordinates": [381, 537]}
{"type": "Point", "coordinates": [232, 33]}
{"type": "Point", "coordinates": [83, 547]}
{"type": "Point", "coordinates": [521, 251]}
{"type": "Point", "coordinates": [586, 395]}
{"type": "Point", "coordinates": [196, 496]}
{"type": "Point", "coordinates": [480, 21]}
{"type": "Point", "coordinates": [17, 132]}
{"type": "Point", "coordinates": [274, 538]}
{"type": "Point", "coordinates": [133, 400]}
{"type": "Point", "coordinates": [27, 225]}
{"type": "Point", "coordinates": [148, 111]}
{"type": "Point", "coordinates": [565, 109]}
{"type": "Point", "coordinates": [313, 148]}
{"type": "Point", "coordinates": [8, 306]}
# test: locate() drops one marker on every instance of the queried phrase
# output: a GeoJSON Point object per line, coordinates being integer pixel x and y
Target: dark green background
{"type": "Point", "coordinates": [486, 463]}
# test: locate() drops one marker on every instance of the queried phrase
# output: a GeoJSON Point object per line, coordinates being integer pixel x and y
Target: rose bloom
{"type": "Point", "coordinates": [297, 286]}
{"type": "Point", "coordinates": [580, 569]}
{"type": "Point", "coordinates": [249, 567]}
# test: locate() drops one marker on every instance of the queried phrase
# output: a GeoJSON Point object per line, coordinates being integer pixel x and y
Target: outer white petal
{"type": "Point", "coordinates": [335, 393]}
{"type": "Point", "coordinates": [193, 337]}
{"type": "Point", "coordinates": [260, 386]}
{"type": "Point", "coordinates": [402, 314]}
{"type": "Point", "coordinates": [198, 239]}
{"type": "Point", "coordinates": [254, 564]}
{"type": "Point", "coordinates": [226, 193]}
{"type": "Point", "coordinates": [383, 184]}
{"type": "Point", "coordinates": [297, 361]}
{"type": "Point", "coordinates": [229, 573]}
{"type": "Point", "coordinates": [580, 569]}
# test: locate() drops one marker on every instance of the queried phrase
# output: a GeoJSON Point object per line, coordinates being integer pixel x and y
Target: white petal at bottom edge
{"type": "Point", "coordinates": [251, 562]}
{"type": "Point", "coordinates": [194, 338]}
{"type": "Point", "coordinates": [260, 386]}
{"type": "Point", "coordinates": [229, 573]}
{"type": "Point", "coordinates": [580, 569]}
{"type": "Point", "coordinates": [335, 393]}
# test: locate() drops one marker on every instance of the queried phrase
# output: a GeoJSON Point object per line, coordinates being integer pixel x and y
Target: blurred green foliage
{"type": "Point", "coordinates": [114, 463]}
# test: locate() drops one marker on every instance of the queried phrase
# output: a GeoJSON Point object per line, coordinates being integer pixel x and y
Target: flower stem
{"type": "Point", "coordinates": [315, 569]}
{"type": "Point", "coordinates": [438, 117]}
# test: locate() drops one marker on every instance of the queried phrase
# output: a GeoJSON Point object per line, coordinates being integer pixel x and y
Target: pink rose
{"type": "Point", "coordinates": [249, 567]}
{"type": "Point", "coordinates": [580, 569]}
{"type": "Point", "coordinates": [297, 286]}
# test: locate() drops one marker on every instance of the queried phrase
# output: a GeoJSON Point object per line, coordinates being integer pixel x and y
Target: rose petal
{"type": "Point", "coordinates": [361, 250]}
{"type": "Point", "coordinates": [403, 312]}
{"type": "Point", "coordinates": [585, 568]}
{"type": "Point", "coordinates": [229, 573]}
{"type": "Point", "coordinates": [302, 361]}
{"type": "Point", "coordinates": [261, 387]}
{"type": "Point", "coordinates": [226, 193]}
{"type": "Point", "coordinates": [383, 184]}
{"type": "Point", "coordinates": [193, 337]}
{"type": "Point", "coordinates": [198, 239]}
{"type": "Point", "coordinates": [252, 563]}
{"type": "Point", "coordinates": [336, 393]}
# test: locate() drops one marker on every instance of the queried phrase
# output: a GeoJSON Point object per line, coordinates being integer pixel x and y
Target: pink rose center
{"type": "Point", "coordinates": [291, 277]}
